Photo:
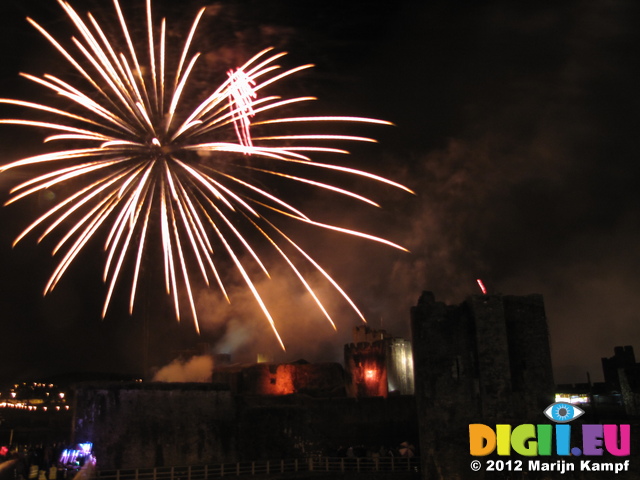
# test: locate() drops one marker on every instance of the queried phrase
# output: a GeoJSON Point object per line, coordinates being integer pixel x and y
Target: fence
{"type": "Point", "coordinates": [317, 464]}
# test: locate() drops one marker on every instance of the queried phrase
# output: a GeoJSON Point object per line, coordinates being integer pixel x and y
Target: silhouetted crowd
{"type": "Point", "coordinates": [361, 451]}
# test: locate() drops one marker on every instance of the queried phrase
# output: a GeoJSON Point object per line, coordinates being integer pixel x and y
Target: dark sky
{"type": "Point", "coordinates": [515, 124]}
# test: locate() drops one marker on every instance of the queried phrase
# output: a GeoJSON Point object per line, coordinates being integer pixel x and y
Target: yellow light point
{"type": "Point", "coordinates": [145, 166]}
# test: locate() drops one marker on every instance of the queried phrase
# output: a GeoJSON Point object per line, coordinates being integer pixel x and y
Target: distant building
{"type": "Point", "coordinates": [622, 374]}
{"type": "Point", "coordinates": [378, 364]}
{"type": "Point", "coordinates": [617, 397]}
{"type": "Point", "coordinates": [623, 357]}
{"type": "Point", "coordinates": [596, 399]}
{"type": "Point", "coordinates": [487, 361]}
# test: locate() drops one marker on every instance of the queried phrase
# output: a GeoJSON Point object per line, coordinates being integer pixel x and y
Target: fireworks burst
{"type": "Point", "coordinates": [138, 165]}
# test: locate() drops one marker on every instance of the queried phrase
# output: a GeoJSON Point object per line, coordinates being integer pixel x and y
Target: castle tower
{"type": "Point", "coordinates": [377, 364]}
{"type": "Point", "coordinates": [487, 361]}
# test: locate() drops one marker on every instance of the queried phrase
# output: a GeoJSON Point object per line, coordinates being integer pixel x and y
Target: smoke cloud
{"type": "Point", "coordinates": [195, 369]}
{"type": "Point", "coordinates": [242, 329]}
{"type": "Point", "coordinates": [514, 129]}
{"type": "Point", "coordinates": [526, 176]}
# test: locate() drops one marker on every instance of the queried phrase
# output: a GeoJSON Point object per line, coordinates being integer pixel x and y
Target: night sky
{"type": "Point", "coordinates": [515, 124]}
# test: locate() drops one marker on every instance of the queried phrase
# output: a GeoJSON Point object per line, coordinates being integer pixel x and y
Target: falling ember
{"type": "Point", "coordinates": [482, 287]}
{"type": "Point", "coordinates": [142, 169]}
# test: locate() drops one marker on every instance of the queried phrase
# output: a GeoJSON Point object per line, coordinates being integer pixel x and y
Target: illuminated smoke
{"type": "Point", "coordinates": [196, 369]}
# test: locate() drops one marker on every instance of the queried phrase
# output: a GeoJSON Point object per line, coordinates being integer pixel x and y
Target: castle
{"type": "Point", "coordinates": [484, 360]}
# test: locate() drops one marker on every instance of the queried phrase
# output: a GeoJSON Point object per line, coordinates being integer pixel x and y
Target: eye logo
{"type": "Point", "coordinates": [562, 412]}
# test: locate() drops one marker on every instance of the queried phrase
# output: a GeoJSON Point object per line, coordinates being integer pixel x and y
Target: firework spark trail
{"type": "Point", "coordinates": [151, 164]}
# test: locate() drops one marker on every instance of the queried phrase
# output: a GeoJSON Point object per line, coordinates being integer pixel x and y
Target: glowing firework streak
{"type": "Point", "coordinates": [483, 289]}
{"type": "Point", "coordinates": [141, 162]}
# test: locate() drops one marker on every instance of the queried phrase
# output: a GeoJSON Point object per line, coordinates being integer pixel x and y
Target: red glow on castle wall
{"type": "Point", "coordinates": [282, 383]}
{"type": "Point", "coordinates": [282, 379]}
{"type": "Point", "coordinates": [367, 370]}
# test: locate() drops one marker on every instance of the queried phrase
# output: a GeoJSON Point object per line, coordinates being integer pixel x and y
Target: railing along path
{"type": "Point", "coordinates": [266, 467]}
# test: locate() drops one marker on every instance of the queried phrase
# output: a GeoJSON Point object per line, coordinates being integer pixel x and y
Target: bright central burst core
{"type": "Point", "coordinates": [128, 153]}
{"type": "Point", "coordinates": [158, 150]}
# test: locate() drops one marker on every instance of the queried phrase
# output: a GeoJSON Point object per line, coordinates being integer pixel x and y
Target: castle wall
{"type": "Point", "coordinates": [492, 347]}
{"type": "Point", "coordinates": [297, 425]}
{"type": "Point", "coordinates": [484, 361]}
{"type": "Point", "coordinates": [151, 424]}
{"type": "Point", "coordinates": [447, 388]}
{"type": "Point", "coordinates": [529, 352]}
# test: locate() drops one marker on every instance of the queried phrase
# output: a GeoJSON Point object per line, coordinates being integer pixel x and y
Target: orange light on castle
{"type": "Point", "coordinates": [370, 375]}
